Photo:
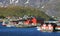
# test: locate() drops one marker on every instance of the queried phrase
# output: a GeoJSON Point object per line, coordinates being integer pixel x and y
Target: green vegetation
{"type": "Point", "coordinates": [20, 11]}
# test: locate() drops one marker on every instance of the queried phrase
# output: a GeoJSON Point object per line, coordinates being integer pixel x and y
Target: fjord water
{"type": "Point", "coordinates": [4, 31]}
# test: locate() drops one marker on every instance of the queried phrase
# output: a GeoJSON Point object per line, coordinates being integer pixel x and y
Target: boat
{"type": "Point", "coordinates": [50, 26]}
{"type": "Point", "coordinates": [19, 24]}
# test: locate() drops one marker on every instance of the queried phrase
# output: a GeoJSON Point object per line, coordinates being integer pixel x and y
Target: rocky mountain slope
{"type": "Point", "coordinates": [32, 3]}
{"type": "Point", "coordinates": [52, 8]}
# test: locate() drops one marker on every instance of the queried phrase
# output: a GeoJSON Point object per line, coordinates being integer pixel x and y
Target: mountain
{"type": "Point", "coordinates": [52, 8]}
{"type": "Point", "coordinates": [21, 11]}
{"type": "Point", "coordinates": [32, 3]}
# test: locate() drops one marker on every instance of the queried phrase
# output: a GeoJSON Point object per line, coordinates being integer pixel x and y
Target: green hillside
{"type": "Point", "coordinates": [20, 11]}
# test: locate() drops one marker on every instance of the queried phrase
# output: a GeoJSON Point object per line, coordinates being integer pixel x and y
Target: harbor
{"type": "Point", "coordinates": [29, 18]}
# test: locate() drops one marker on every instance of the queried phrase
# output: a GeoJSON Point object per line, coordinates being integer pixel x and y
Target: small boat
{"type": "Point", "coordinates": [19, 24]}
{"type": "Point", "coordinates": [50, 26]}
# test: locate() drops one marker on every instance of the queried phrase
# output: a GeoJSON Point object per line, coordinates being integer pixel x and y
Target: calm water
{"type": "Point", "coordinates": [4, 31]}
